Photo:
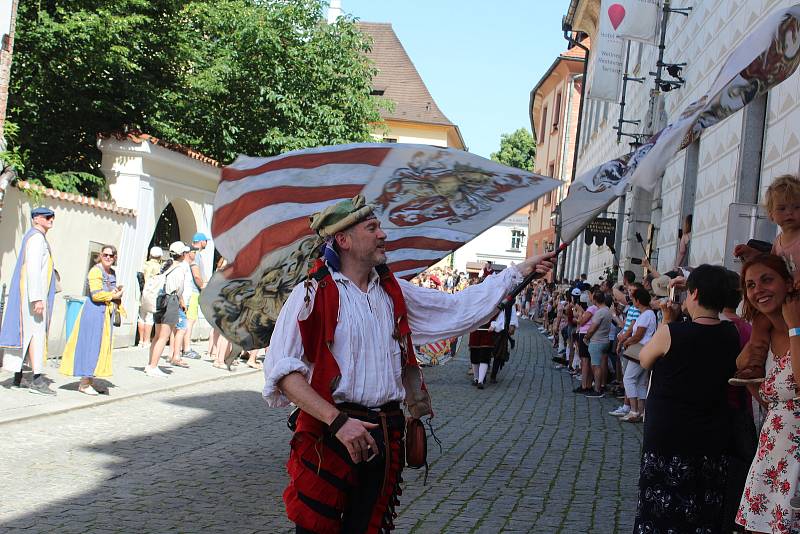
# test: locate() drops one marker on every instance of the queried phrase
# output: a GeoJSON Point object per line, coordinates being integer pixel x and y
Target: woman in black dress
{"type": "Point", "coordinates": [687, 428]}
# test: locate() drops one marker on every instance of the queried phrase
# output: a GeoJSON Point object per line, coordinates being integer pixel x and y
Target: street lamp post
{"type": "Point", "coordinates": [555, 221]}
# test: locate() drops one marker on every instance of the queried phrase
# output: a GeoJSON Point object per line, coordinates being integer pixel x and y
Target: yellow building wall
{"type": "Point", "coordinates": [415, 133]}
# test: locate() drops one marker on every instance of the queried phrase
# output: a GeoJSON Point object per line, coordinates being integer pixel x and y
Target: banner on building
{"type": "Point", "coordinates": [606, 60]}
{"type": "Point", "coordinates": [601, 231]}
{"type": "Point", "coordinates": [636, 20]}
{"type": "Point", "coordinates": [764, 59]}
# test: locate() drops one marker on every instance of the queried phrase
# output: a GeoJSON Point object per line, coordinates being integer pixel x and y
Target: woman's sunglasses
{"type": "Point", "coordinates": [108, 255]}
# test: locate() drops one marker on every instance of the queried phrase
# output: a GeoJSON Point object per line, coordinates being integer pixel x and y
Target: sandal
{"type": "Point", "coordinates": [180, 363]}
{"type": "Point", "coordinates": [88, 390]}
{"type": "Point", "coordinates": [218, 365]}
{"type": "Point", "coordinates": [255, 365]}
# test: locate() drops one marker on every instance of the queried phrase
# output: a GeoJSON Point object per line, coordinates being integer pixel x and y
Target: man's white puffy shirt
{"type": "Point", "coordinates": [500, 321]}
{"type": "Point", "coordinates": [367, 354]}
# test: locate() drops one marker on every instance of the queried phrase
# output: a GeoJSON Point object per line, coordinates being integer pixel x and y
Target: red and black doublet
{"type": "Point", "coordinates": [481, 344]}
{"type": "Point", "coordinates": [327, 492]}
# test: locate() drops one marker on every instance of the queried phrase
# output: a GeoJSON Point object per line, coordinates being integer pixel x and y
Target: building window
{"type": "Point", "coordinates": [516, 239]}
{"type": "Point", "coordinates": [543, 124]}
{"type": "Point", "coordinates": [557, 111]}
{"type": "Point", "coordinates": [389, 139]}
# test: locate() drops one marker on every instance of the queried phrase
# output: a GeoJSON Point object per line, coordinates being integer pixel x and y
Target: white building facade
{"type": "Point", "coordinates": [502, 244]}
{"type": "Point", "coordinates": [733, 162]}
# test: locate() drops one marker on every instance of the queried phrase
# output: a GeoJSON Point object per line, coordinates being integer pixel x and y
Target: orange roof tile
{"type": "Point", "coordinates": [138, 136]}
{"type": "Point", "coordinates": [110, 205]}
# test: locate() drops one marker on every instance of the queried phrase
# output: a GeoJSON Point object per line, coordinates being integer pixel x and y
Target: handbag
{"type": "Point", "coordinates": [416, 444]}
{"type": "Point", "coordinates": [116, 316]}
{"type": "Point", "coordinates": [59, 289]}
{"type": "Point", "coordinates": [632, 352]}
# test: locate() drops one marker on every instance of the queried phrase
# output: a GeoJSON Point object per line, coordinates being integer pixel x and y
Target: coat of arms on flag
{"type": "Point", "coordinates": [430, 201]}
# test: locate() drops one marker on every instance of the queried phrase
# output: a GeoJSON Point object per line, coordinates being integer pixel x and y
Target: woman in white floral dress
{"type": "Point", "coordinates": [773, 477]}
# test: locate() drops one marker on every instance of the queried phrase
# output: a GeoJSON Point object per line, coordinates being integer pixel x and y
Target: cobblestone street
{"type": "Point", "coordinates": [518, 456]}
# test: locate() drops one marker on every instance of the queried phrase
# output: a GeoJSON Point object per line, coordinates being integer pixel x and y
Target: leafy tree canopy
{"type": "Point", "coordinates": [517, 149]}
{"type": "Point", "coordinates": [223, 76]}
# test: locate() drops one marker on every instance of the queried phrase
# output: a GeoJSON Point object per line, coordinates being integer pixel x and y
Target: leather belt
{"type": "Point", "coordinates": [380, 416]}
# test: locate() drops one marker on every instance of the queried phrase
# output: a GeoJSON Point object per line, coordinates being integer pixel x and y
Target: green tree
{"type": "Point", "coordinates": [517, 149]}
{"type": "Point", "coordinates": [223, 76]}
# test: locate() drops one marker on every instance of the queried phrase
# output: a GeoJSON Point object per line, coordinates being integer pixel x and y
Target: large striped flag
{"type": "Point", "coordinates": [430, 202]}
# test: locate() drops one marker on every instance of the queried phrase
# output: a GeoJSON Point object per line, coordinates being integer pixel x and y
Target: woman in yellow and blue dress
{"type": "Point", "coordinates": [88, 350]}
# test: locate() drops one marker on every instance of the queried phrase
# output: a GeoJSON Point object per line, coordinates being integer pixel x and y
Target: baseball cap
{"type": "Point", "coordinates": [661, 286]}
{"type": "Point", "coordinates": [576, 292]}
{"type": "Point", "coordinates": [199, 236]}
{"type": "Point", "coordinates": [156, 252]}
{"type": "Point", "coordinates": [178, 247]}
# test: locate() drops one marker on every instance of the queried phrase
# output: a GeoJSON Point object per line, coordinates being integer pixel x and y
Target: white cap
{"type": "Point", "coordinates": [156, 252]}
{"type": "Point", "coordinates": [178, 247]}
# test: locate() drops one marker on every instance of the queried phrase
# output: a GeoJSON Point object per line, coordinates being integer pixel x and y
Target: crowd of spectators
{"type": "Point", "coordinates": [675, 349]}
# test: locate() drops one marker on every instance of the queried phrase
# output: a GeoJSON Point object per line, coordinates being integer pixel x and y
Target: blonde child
{"type": "Point", "coordinates": [782, 201]}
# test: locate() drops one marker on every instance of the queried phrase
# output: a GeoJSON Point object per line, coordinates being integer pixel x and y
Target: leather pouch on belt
{"type": "Point", "coordinates": [416, 444]}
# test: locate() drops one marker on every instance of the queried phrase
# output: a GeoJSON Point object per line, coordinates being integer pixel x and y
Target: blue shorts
{"type": "Point", "coordinates": [596, 351]}
{"type": "Point", "coordinates": [181, 320]}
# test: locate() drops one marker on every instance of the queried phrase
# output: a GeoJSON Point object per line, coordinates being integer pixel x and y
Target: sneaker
{"type": "Point", "coordinates": [632, 417]}
{"type": "Point", "coordinates": [795, 503]}
{"type": "Point", "coordinates": [40, 387]}
{"type": "Point", "coordinates": [594, 394]}
{"type": "Point", "coordinates": [475, 382]}
{"type": "Point", "coordinates": [192, 355]}
{"type": "Point", "coordinates": [155, 372]}
{"type": "Point", "coordinates": [480, 385]}
{"type": "Point", "coordinates": [621, 411]}
{"type": "Point", "coordinates": [21, 387]}
{"type": "Point", "coordinates": [579, 389]}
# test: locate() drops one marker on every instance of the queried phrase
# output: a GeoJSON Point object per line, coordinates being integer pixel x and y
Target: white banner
{"type": "Point", "coordinates": [636, 20]}
{"type": "Point", "coordinates": [606, 61]}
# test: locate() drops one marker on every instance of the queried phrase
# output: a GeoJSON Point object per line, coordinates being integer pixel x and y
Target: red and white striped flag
{"type": "Point", "coordinates": [430, 202]}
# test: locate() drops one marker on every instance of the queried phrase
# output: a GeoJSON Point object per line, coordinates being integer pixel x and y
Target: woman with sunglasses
{"type": "Point", "coordinates": [88, 350]}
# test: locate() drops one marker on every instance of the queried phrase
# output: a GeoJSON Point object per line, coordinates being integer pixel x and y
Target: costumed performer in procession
{"type": "Point", "coordinates": [342, 351]}
{"type": "Point", "coordinates": [30, 305]}
{"type": "Point", "coordinates": [89, 348]}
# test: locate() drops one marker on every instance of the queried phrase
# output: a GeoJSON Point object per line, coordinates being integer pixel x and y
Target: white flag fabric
{"type": "Point", "coordinates": [636, 20]}
{"type": "Point", "coordinates": [764, 59]}
{"type": "Point", "coordinates": [430, 201]}
{"type": "Point", "coordinates": [606, 61]}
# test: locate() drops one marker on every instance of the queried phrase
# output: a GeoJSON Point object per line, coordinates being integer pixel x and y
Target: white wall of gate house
{"type": "Point", "coordinates": [703, 40]}
{"type": "Point", "coordinates": [144, 177]}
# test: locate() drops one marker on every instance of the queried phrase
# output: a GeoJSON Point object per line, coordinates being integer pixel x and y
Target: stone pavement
{"type": "Point", "coordinates": [524, 455]}
{"type": "Point", "coordinates": [128, 381]}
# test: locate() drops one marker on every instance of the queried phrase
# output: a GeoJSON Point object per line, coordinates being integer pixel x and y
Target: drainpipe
{"type": "Point", "coordinates": [567, 28]}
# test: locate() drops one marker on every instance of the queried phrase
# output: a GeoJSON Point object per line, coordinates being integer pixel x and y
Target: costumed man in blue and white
{"type": "Point", "coordinates": [30, 305]}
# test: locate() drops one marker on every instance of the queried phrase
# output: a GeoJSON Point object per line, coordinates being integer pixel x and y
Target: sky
{"type": "Point", "coordinates": [479, 59]}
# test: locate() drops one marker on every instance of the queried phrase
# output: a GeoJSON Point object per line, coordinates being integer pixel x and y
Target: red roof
{"type": "Point", "coordinates": [109, 205]}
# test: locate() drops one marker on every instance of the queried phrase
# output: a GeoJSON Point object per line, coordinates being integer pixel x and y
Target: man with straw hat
{"type": "Point", "coordinates": [342, 351]}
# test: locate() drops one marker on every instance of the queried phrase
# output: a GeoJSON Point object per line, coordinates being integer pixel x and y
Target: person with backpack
{"type": "Point", "coordinates": [169, 286]}
{"type": "Point", "coordinates": [150, 268]}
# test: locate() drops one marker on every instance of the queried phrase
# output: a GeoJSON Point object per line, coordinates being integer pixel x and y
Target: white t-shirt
{"type": "Point", "coordinates": [189, 287]}
{"type": "Point", "coordinates": [646, 320]}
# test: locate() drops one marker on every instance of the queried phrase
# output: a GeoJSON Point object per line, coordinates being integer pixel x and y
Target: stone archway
{"type": "Point", "coordinates": [176, 223]}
